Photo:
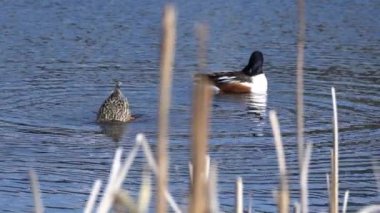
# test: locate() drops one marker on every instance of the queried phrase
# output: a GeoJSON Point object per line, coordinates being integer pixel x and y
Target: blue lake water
{"type": "Point", "coordinates": [59, 58]}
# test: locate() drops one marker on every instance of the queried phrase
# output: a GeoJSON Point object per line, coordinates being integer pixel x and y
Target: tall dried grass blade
{"type": "Point", "coordinates": [331, 182]}
{"type": "Point", "coordinates": [140, 139]}
{"type": "Point", "coordinates": [370, 209]}
{"type": "Point", "coordinates": [328, 183]}
{"type": "Point", "coordinates": [305, 177]}
{"type": "Point", "coordinates": [108, 196]}
{"type": "Point", "coordinates": [115, 183]}
{"type": "Point", "coordinates": [93, 195]}
{"type": "Point", "coordinates": [191, 173]}
{"type": "Point", "coordinates": [300, 83]}
{"type": "Point", "coordinates": [328, 180]}
{"type": "Point", "coordinates": [166, 66]}
{"type": "Point", "coordinates": [207, 167]}
{"type": "Point", "coordinates": [283, 197]}
{"type": "Point", "coordinates": [38, 206]}
{"type": "Point", "coordinates": [300, 88]}
{"type": "Point", "coordinates": [172, 202]}
{"type": "Point", "coordinates": [145, 192]}
{"type": "Point", "coordinates": [124, 202]}
{"type": "Point", "coordinates": [239, 195]}
{"type": "Point", "coordinates": [297, 208]}
{"type": "Point", "coordinates": [376, 172]}
{"type": "Point", "coordinates": [213, 189]}
{"type": "Point", "coordinates": [345, 201]}
{"type": "Point", "coordinates": [202, 35]}
{"type": "Point", "coordinates": [250, 203]}
{"type": "Point", "coordinates": [201, 106]}
{"type": "Point", "coordinates": [116, 164]}
{"type": "Point", "coordinates": [335, 172]}
{"type": "Point", "coordinates": [147, 153]}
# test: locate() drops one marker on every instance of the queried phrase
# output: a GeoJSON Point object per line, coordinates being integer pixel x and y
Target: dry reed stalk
{"type": "Point", "coordinates": [145, 192]}
{"type": "Point", "coordinates": [201, 106]}
{"type": "Point", "coordinates": [283, 197]}
{"type": "Point", "coordinates": [345, 201]}
{"type": "Point", "coordinates": [147, 152]}
{"type": "Point", "coordinates": [334, 202]}
{"type": "Point", "coordinates": [117, 176]}
{"type": "Point", "coordinates": [172, 202]}
{"type": "Point", "coordinates": [370, 209]}
{"type": "Point", "coordinates": [202, 35]}
{"type": "Point", "coordinates": [123, 202]}
{"type": "Point", "coordinates": [376, 172]}
{"type": "Point", "coordinates": [140, 138]}
{"type": "Point", "coordinates": [116, 164]}
{"type": "Point", "coordinates": [328, 182]}
{"type": "Point", "coordinates": [93, 195]}
{"type": "Point", "coordinates": [166, 66]}
{"type": "Point", "coordinates": [300, 86]}
{"type": "Point", "coordinates": [331, 184]}
{"type": "Point", "coordinates": [304, 178]}
{"type": "Point", "coordinates": [297, 208]}
{"type": "Point", "coordinates": [119, 173]}
{"type": "Point", "coordinates": [239, 195]}
{"type": "Point", "coordinates": [250, 203]}
{"type": "Point", "coordinates": [38, 206]}
{"type": "Point", "coordinates": [300, 89]}
{"type": "Point", "coordinates": [207, 169]}
{"type": "Point", "coordinates": [191, 173]}
{"type": "Point", "coordinates": [108, 196]}
{"type": "Point", "coordinates": [213, 189]}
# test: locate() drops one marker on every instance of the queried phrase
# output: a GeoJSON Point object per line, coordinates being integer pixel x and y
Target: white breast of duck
{"type": "Point", "coordinates": [259, 83]}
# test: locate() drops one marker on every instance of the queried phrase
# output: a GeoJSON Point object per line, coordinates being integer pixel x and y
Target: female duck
{"type": "Point", "coordinates": [251, 79]}
{"type": "Point", "coordinates": [115, 107]}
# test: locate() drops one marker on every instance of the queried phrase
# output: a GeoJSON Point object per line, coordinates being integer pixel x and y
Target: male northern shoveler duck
{"type": "Point", "coordinates": [251, 79]}
{"type": "Point", "coordinates": [115, 107]}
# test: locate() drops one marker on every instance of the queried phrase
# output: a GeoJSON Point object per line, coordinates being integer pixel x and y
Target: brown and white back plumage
{"type": "Point", "coordinates": [251, 79]}
{"type": "Point", "coordinates": [115, 107]}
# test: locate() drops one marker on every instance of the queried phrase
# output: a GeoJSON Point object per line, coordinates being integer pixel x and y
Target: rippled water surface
{"type": "Point", "coordinates": [58, 59]}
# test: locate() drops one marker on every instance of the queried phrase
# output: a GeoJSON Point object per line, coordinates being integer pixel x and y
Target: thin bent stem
{"type": "Point", "coordinates": [300, 86]}
{"type": "Point", "coordinates": [239, 195]}
{"type": "Point", "coordinates": [38, 206]}
{"type": "Point", "coordinates": [94, 194]}
{"type": "Point", "coordinates": [345, 201]}
{"type": "Point", "coordinates": [283, 197]}
{"type": "Point", "coordinates": [213, 189]}
{"type": "Point", "coordinates": [335, 165]}
{"type": "Point", "coordinates": [141, 140]}
{"type": "Point", "coordinates": [304, 178]}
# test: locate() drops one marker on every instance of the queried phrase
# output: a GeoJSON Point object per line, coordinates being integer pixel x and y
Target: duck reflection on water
{"type": "Point", "coordinates": [257, 109]}
{"type": "Point", "coordinates": [114, 130]}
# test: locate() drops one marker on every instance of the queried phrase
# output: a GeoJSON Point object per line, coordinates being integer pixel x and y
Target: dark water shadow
{"type": "Point", "coordinates": [114, 130]}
